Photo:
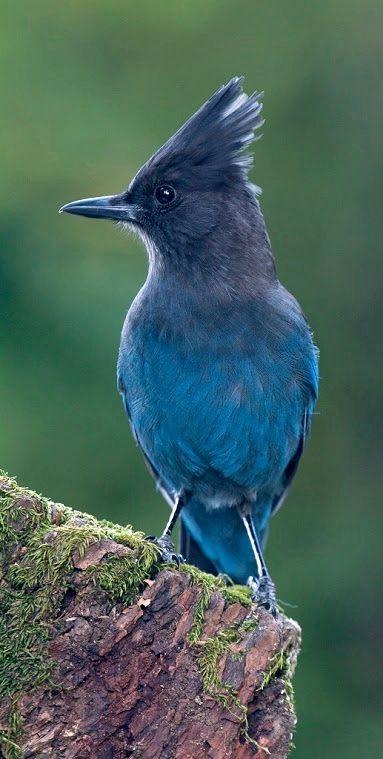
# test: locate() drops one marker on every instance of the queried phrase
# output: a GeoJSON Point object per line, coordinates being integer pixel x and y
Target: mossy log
{"type": "Point", "coordinates": [104, 653]}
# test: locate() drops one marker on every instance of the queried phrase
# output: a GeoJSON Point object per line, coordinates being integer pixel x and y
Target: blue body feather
{"type": "Point", "coordinates": [220, 397]}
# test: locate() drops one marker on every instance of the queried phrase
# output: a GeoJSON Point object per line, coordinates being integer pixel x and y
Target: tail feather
{"type": "Point", "coordinates": [192, 552]}
{"type": "Point", "coordinates": [217, 542]}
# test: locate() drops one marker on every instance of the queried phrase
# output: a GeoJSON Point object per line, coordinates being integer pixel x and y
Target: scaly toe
{"type": "Point", "coordinates": [167, 554]}
{"type": "Point", "coordinates": [263, 593]}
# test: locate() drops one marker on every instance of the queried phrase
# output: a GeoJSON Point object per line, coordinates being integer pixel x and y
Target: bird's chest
{"type": "Point", "coordinates": [162, 376]}
{"type": "Point", "coordinates": [200, 403]}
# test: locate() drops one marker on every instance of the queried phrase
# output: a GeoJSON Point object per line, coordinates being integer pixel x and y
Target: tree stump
{"type": "Point", "coordinates": [106, 654]}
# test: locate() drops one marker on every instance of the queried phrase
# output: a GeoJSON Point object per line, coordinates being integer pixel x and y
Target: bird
{"type": "Point", "coordinates": [217, 367]}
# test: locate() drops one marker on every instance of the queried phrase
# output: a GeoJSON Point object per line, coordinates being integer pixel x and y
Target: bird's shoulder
{"type": "Point", "coordinates": [265, 334]}
{"type": "Point", "coordinates": [265, 318]}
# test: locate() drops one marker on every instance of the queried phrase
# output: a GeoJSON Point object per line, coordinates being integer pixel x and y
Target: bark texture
{"type": "Point", "coordinates": [179, 673]}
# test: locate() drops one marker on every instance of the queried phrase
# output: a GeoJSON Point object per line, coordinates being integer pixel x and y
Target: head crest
{"type": "Point", "coordinates": [213, 142]}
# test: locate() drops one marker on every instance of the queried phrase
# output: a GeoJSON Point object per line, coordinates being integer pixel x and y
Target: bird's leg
{"type": "Point", "coordinates": [263, 588]}
{"type": "Point", "coordinates": [164, 542]}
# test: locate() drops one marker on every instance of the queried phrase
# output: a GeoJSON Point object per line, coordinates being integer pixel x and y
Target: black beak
{"type": "Point", "coordinates": [115, 207]}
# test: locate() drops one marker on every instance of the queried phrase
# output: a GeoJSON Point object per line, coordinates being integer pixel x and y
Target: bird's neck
{"type": "Point", "coordinates": [234, 260]}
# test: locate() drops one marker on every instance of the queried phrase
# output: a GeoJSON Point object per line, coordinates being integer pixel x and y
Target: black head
{"type": "Point", "coordinates": [195, 182]}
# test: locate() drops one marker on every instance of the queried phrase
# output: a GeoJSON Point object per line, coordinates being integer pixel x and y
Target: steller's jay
{"type": "Point", "coordinates": [217, 368]}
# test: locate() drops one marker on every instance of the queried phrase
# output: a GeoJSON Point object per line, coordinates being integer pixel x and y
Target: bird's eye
{"type": "Point", "coordinates": [165, 194]}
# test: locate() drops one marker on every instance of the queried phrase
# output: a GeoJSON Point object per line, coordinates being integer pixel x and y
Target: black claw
{"type": "Point", "coordinates": [167, 554]}
{"type": "Point", "coordinates": [263, 593]}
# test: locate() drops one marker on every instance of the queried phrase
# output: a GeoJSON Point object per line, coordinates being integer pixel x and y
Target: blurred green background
{"type": "Point", "coordinates": [89, 90]}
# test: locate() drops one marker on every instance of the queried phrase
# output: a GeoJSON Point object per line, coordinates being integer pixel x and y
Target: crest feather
{"type": "Point", "coordinates": [215, 139]}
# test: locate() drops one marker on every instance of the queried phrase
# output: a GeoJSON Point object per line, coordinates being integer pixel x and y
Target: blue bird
{"type": "Point", "coordinates": [217, 368]}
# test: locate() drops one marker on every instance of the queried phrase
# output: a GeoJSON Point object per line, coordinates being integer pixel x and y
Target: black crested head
{"type": "Point", "coordinates": [210, 149]}
{"type": "Point", "coordinates": [199, 204]}
{"type": "Point", "coordinates": [192, 202]}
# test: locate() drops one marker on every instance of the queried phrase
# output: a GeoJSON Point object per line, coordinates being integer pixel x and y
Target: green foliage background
{"type": "Point", "coordinates": [89, 89]}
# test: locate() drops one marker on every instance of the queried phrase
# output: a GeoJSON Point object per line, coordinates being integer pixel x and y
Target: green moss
{"type": "Point", "coordinates": [9, 739]}
{"type": "Point", "coordinates": [38, 540]}
{"type": "Point", "coordinates": [224, 693]}
{"type": "Point", "coordinates": [212, 650]}
{"type": "Point", "coordinates": [208, 584]}
{"type": "Point", "coordinates": [289, 693]}
{"type": "Point", "coordinates": [9, 749]}
{"type": "Point", "coordinates": [279, 667]}
{"type": "Point", "coordinates": [122, 577]}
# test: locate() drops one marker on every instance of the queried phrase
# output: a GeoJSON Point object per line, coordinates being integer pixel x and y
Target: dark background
{"type": "Point", "coordinates": [89, 90]}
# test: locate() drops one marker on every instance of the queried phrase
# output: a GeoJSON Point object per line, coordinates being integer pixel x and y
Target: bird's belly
{"type": "Point", "coordinates": [211, 426]}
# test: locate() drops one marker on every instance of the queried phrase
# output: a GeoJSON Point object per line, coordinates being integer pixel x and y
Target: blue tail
{"type": "Point", "coordinates": [216, 541]}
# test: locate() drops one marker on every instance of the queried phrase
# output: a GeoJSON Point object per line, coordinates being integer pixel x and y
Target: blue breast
{"type": "Point", "coordinates": [217, 403]}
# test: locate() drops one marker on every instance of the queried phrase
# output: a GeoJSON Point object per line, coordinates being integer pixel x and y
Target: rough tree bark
{"type": "Point", "coordinates": [104, 654]}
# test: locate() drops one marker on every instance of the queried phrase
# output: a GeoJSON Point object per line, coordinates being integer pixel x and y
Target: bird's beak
{"type": "Point", "coordinates": [115, 207]}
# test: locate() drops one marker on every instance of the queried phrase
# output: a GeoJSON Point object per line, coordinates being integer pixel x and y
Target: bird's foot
{"type": "Point", "coordinates": [166, 547]}
{"type": "Point", "coordinates": [263, 593]}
